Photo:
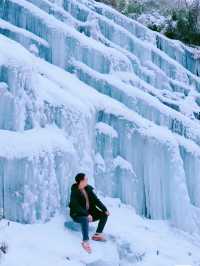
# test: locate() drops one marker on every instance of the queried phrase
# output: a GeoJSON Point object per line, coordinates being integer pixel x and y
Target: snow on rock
{"type": "Point", "coordinates": [32, 142]}
{"type": "Point", "coordinates": [123, 164]}
{"type": "Point", "coordinates": [106, 130]}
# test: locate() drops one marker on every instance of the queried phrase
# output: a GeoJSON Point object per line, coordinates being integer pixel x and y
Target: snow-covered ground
{"type": "Point", "coordinates": [135, 240]}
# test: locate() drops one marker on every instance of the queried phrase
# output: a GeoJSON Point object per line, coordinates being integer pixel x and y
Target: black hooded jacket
{"type": "Point", "coordinates": [77, 202]}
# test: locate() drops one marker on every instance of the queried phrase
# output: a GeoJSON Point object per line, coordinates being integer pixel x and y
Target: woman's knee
{"type": "Point", "coordinates": [103, 216]}
{"type": "Point", "coordinates": [99, 216]}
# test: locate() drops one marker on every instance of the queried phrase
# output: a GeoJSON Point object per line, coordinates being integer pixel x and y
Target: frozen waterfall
{"type": "Point", "coordinates": [84, 88]}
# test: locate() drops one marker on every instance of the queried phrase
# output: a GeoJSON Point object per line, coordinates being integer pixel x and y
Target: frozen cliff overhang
{"type": "Point", "coordinates": [83, 88]}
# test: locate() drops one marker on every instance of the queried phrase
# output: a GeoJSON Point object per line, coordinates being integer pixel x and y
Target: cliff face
{"type": "Point", "coordinates": [84, 88]}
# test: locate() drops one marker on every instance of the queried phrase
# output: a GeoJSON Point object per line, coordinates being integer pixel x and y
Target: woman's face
{"type": "Point", "coordinates": [84, 182]}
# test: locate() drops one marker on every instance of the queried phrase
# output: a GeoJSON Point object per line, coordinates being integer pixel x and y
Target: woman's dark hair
{"type": "Point", "coordinates": [79, 177]}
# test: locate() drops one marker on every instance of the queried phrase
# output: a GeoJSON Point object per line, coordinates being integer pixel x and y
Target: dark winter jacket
{"type": "Point", "coordinates": [77, 202]}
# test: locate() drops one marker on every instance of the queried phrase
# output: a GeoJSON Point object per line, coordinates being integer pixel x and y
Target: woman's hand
{"type": "Point", "coordinates": [90, 218]}
{"type": "Point", "coordinates": [107, 212]}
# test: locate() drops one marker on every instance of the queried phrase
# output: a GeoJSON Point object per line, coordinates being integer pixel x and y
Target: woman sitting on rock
{"type": "Point", "coordinates": [86, 207]}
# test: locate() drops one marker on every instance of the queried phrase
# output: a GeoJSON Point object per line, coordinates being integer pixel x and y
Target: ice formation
{"type": "Point", "coordinates": [84, 88]}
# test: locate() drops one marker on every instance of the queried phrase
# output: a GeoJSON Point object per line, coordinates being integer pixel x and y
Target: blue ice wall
{"type": "Point", "coordinates": [124, 97]}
